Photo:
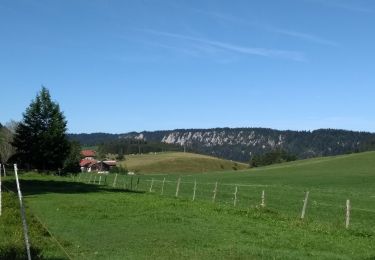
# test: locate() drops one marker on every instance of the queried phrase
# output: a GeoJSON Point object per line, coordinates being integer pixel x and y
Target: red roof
{"type": "Point", "coordinates": [87, 163]}
{"type": "Point", "coordinates": [88, 153]}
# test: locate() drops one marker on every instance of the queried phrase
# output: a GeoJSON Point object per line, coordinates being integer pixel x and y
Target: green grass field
{"type": "Point", "coordinates": [178, 162]}
{"type": "Point", "coordinates": [94, 221]}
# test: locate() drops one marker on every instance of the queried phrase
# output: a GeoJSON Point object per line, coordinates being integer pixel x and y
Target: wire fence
{"type": "Point", "coordinates": [336, 207]}
{"type": "Point", "coordinates": [321, 205]}
{"type": "Point", "coordinates": [354, 211]}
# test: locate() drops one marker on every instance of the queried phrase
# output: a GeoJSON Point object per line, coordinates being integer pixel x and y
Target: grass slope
{"type": "Point", "coordinates": [119, 225]}
{"type": "Point", "coordinates": [330, 180]}
{"type": "Point", "coordinates": [12, 245]}
{"type": "Point", "coordinates": [96, 222]}
{"type": "Point", "coordinates": [178, 162]}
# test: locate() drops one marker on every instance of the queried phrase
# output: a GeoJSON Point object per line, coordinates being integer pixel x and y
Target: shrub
{"type": "Point", "coordinates": [17, 251]}
{"type": "Point", "coordinates": [118, 169]}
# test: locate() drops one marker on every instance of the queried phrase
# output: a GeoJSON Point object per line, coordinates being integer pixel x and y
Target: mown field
{"type": "Point", "coordinates": [93, 221]}
{"type": "Point", "coordinates": [178, 162]}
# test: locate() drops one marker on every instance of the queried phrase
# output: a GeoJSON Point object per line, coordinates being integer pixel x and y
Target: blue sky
{"type": "Point", "coordinates": [119, 66]}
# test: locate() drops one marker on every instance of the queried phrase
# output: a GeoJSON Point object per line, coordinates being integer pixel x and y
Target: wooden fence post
{"type": "Point", "coordinates": [152, 184]}
{"type": "Point", "coordinates": [100, 179]}
{"type": "Point", "coordinates": [162, 187]}
{"type": "Point", "coordinates": [5, 174]}
{"type": "Point", "coordinates": [304, 205]}
{"type": "Point", "coordinates": [114, 181]}
{"type": "Point", "coordinates": [215, 191]}
{"type": "Point", "coordinates": [178, 186]}
{"type": "Point", "coordinates": [24, 224]}
{"type": "Point", "coordinates": [136, 185]}
{"type": "Point", "coordinates": [347, 222]}
{"type": "Point", "coordinates": [263, 204]}
{"type": "Point", "coordinates": [124, 182]}
{"type": "Point", "coordinates": [95, 179]}
{"type": "Point", "coordinates": [235, 196]}
{"type": "Point", "coordinates": [131, 183]}
{"type": "Point", "coordinates": [195, 189]}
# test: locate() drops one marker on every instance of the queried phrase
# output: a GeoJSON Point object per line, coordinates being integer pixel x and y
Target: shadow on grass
{"type": "Point", "coordinates": [34, 187]}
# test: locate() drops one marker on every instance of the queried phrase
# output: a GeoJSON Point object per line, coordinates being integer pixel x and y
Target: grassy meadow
{"type": "Point", "coordinates": [93, 221]}
{"type": "Point", "coordinates": [178, 162]}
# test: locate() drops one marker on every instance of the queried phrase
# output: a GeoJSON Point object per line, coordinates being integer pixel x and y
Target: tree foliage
{"type": "Point", "coordinates": [40, 138]}
{"type": "Point", "coordinates": [71, 164]}
{"type": "Point", "coordinates": [276, 156]}
{"type": "Point", "coordinates": [369, 145]}
{"type": "Point", "coordinates": [7, 150]}
{"type": "Point", "coordinates": [122, 147]}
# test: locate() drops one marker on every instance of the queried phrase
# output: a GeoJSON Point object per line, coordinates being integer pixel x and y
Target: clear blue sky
{"type": "Point", "coordinates": [119, 66]}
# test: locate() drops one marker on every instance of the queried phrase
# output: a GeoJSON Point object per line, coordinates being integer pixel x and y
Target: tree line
{"type": "Point", "coordinates": [276, 156]}
{"type": "Point", "coordinates": [126, 146]}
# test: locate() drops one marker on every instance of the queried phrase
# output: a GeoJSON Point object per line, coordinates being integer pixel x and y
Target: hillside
{"type": "Point", "coordinates": [330, 180]}
{"type": "Point", "coordinates": [349, 173]}
{"type": "Point", "coordinates": [240, 144]}
{"type": "Point", "coordinates": [178, 162]}
{"type": "Point", "coordinates": [150, 224]}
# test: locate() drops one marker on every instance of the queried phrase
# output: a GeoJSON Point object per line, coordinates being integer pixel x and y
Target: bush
{"type": "Point", "coordinates": [17, 251]}
{"type": "Point", "coordinates": [71, 164]}
{"type": "Point", "coordinates": [119, 169]}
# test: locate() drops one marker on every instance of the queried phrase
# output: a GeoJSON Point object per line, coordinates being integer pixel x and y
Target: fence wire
{"type": "Point", "coordinates": [322, 206]}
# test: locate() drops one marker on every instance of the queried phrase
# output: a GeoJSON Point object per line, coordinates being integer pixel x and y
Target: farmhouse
{"type": "Point", "coordinates": [88, 162]}
{"type": "Point", "coordinates": [103, 166]}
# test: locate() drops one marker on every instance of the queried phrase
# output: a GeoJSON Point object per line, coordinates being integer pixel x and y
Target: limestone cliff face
{"type": "Point", "coordinates": [221, 138]}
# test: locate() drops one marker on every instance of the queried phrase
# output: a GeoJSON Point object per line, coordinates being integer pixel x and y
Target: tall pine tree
{"type": "Point", "coordinates": [40, 138]}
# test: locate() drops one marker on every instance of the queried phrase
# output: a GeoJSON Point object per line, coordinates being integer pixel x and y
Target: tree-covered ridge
{"type": "Point", "coordinates": [241, 144]}
{"type": "Point", "coordinates": [125, 146]}
{"type": "Point", "coordinates": [93, 139]}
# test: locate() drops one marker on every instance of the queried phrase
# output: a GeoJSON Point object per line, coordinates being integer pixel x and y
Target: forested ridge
{"type": "Point", "coordinates": [240, 144]}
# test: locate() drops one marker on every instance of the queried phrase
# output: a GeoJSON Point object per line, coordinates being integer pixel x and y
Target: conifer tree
{"type": "Point", "coordinates": [40, 138]}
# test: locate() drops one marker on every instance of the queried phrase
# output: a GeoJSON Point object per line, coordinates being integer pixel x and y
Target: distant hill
{"type": "Point", "coordinates": [178, 162]}
{"type": "Point", "coordinates": [240, 144]}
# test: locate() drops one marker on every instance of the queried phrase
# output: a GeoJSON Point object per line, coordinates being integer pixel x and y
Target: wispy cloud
{"type": "Point", "coordinates": [303, 36]}
{"type": "Point", "coordinates": [187, 51]}
{"type": "Point", "coordinates": [265, 52]}
{"type": "Point", "coordinates": [272, 29]}
{"type": "Point", "coordinates": [218, 15]}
